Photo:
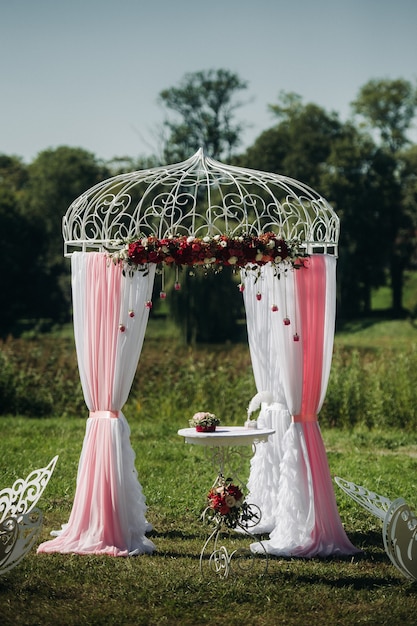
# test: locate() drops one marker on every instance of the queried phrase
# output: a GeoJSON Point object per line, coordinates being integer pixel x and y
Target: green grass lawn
{"type": "Point", "coordinates": [166, 587]}
{"type": "Point", "coordinates": [381, 298]}
{"type": "Point", "coordinates": [371, 359]}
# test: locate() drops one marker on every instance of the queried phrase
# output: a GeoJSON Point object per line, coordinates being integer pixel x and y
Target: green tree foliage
{"type": "Point", "coordinates": [388, 107]}
{"type": "Point", "coordinates": [55, 179]}
{"type": "Point", "coordinates": [299, 144]}
{"type": "Point", "coordinates": [367, 172]}
{"type": "Point", "coordinates": [204, 104]}
{"type": "Point", "coordinates": [408, 183]}
{"type": "Point", "coordinates": [13, 173]}
{"type": "Point", "coordinates": [208, 308]}
{"type": "Point", "coordinates": [268, 152]}
{"type": "Point", "coordinates": [360, 179]}
{"type": "Point", "coordinates": [22, 275]}
{"type": "Point", "coordinates": [355, 181]}
{"type": "Point", "coordinates": [309, 132]}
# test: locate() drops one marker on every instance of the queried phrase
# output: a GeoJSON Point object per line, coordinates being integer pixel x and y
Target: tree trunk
{"type": "Point", "coordinates": [397, 285]}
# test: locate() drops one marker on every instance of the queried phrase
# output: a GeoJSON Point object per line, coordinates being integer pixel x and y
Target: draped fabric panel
{"type": "Point", "coordinates": [307, 521]}
{"type": "Point", "coordinates": [110, 318]}
{"type": "Point", "coordinates": [264, 474]}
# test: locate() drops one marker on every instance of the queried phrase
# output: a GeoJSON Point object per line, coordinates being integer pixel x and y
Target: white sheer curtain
{"type": "Point", "coordinates": [264, 349]}
{"type": "Point", "coordinates": [306, 520]}
{"type": "Point", "coordinates": [110, 318]}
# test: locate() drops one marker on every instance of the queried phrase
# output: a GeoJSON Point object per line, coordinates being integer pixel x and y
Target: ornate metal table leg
{"type": "Point", "coordinates": [228, 511]}
{"type": "Point", "coordinates": [231, 461]}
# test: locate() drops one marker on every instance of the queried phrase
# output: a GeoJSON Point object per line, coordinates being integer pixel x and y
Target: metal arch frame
{"type": "Point", "coordinates": [199, 197]}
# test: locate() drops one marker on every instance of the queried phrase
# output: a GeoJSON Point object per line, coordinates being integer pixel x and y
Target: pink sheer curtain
{"type": "Point", "coordinates": [327, 535]}
{"type": "Point", "coordinates": [307, 521]}
{"type": "Point", "coordinates": [110, 316]}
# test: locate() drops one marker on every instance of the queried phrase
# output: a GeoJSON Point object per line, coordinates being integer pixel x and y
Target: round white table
{"type": "Point", "coordinates": [226, 436]}
{"type": "Point", "coordinates": [221, 441]}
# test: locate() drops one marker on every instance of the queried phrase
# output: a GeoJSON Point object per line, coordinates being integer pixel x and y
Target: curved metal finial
{"type": "Point", "coordinates": [199, 196]}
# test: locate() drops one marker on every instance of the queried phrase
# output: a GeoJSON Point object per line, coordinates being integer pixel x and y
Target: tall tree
{"type": "Point", "coordinates": [22, 249]}
{"type": "Point", "coordinates": [13, 173]}
{"type": "Point", "coordinates": [299, 144]}
{"type": "Point", "coordinates": [56, 178]}
{"type": "Point", "coordinates": [355, 180]}
{"type": "Point", "coordinates": [408, 179]}
{"type": "Point", "coordinates": [347, 167]}
{"type": "Point", "coordinates": [205, 105]}
{"type": "Point", "coordinates": [389, 107]}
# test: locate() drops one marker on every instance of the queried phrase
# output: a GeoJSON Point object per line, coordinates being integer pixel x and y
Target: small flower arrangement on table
{"type": "Point", "coordinates": [204, 422]}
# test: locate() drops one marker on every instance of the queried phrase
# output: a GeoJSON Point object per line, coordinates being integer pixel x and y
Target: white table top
{"type": "Point", "coordinates": [226, 436]}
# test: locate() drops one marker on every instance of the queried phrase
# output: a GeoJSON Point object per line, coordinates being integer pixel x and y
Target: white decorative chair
{"type": "Point", "coordinates": [399, 534]}
{"type": "Point", "coordinates": [20, 520]}
{"type": "Point", "coordinates": [373, 502]}
{"type": "Point", "coordinates": [399, 531]}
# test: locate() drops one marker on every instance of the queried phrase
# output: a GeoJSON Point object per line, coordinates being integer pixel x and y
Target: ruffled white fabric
{"type": "Point", "coordinates": [291, 481]}
{"type": "Point", "coordinates": [264, 477]}
{"type": "Point", "coordinates": [294, 512]}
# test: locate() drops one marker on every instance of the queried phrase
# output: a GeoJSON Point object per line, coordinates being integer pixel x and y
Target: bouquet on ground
{"type": "Point", "coordinates": [204, 422]}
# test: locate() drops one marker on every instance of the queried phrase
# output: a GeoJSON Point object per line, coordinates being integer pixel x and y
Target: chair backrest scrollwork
{"type": "Point", "coordinates": [20, 519]}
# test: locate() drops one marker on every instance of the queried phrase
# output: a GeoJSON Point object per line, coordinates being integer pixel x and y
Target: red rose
{"type": "Point", "coordinates": [235, 492]}
{"type": "Point", "coordinates": [137, 253]}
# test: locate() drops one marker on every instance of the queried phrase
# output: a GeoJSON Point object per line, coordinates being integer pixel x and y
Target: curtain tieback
{"type": "Point", "coordinates": [305, 418]}
{"type": "Point", "coordinates": [105, 414]}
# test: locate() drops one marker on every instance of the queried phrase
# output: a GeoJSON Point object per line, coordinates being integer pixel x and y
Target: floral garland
{"type": "Point", "coordinates": [211, 251]}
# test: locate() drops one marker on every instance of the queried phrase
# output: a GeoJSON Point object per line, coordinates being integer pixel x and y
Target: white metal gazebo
{"type": "Point", "coordinates": [213, 214]}
{"type": "Point", "coordinates": [199, 197]}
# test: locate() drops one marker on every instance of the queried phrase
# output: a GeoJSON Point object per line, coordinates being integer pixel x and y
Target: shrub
{"type": "Point", "coordinates": [371, 388]}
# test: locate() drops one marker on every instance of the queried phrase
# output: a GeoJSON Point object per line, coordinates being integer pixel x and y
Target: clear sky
{"type": "Point", "coordinates": [87, 73]}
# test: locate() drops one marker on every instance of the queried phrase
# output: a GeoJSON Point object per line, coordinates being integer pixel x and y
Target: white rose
{"type": "Point", "coordinates": [230, 501]}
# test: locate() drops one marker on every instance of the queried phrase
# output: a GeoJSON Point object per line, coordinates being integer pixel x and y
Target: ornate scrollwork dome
{"type": "Point", "coordinates": [199, 197]}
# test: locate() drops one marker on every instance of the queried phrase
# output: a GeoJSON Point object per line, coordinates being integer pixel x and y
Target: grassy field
{"type": "Point", "coordinates": [166, 587]}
